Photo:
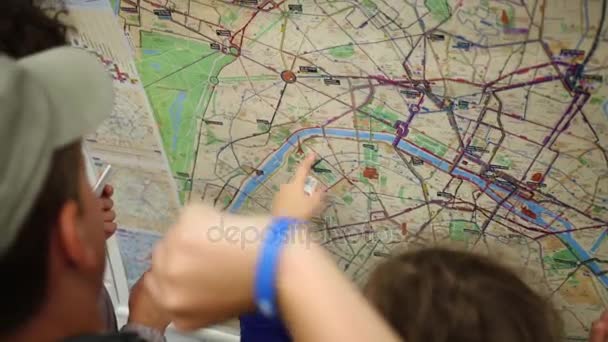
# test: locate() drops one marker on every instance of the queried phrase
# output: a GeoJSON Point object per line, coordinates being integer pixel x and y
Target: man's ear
{"type": "Point", "coordinates": [72, 240]}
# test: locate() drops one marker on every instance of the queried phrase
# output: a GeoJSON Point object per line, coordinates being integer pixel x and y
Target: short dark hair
{"type": "Point", "coordinates": [441, 295]}
{"type": "Point", "coordinates": [24, 30]}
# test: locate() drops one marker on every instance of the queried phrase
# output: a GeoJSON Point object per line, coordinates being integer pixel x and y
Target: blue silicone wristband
{"type": "Point", "coordinates": [266, 271]}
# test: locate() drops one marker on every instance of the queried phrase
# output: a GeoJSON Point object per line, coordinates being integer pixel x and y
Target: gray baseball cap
{"type": "Point", "coordinates": [47, 101]}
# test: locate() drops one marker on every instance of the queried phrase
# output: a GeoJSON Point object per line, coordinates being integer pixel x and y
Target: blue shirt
{"type": "Point", "coordinates": [257, 328]}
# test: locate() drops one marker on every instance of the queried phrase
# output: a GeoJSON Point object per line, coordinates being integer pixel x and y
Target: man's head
{"type": "Point", "coordinates": [440, 295]}
{"type": "Point", "coordinates": [25, 29]}
{"type": "Point", "coordinates": [51, 232]}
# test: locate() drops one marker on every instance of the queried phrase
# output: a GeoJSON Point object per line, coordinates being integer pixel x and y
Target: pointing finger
{"type": "Point", "coordinates": [304, 169]}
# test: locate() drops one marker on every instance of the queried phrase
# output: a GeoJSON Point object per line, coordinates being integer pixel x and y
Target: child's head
{"type": "Point", "coordinates": [437, 295]}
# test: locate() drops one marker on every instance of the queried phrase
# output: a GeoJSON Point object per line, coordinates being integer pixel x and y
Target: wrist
{"type": "Point", "coordinates": [279, 233]}
{"type": "Point", "coordinates": [284, 235]}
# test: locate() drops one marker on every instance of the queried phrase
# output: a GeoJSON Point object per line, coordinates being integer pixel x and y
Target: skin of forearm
{"type": "Point", "coordinates": [315, 299]}
{"type": "Point", "coordinates": [318, 303]}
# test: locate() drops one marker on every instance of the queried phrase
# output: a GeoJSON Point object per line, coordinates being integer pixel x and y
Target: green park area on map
{"type": "Point", "coordinates": [179, 76]}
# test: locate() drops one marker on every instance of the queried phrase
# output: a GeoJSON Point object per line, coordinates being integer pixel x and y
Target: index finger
{"type": "Point", "coordinates": [304, 169]}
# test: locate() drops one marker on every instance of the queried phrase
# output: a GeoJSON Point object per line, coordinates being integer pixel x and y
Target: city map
{"type": "Point", "coordinates": [482, 124]}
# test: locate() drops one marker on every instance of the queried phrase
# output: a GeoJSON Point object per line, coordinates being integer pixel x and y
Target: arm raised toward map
{"type": "Point", "coordinates": [204, 272]}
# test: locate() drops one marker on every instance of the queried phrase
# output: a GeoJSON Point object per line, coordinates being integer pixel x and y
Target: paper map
{"type": "Point", "coordinates": [479, 123]}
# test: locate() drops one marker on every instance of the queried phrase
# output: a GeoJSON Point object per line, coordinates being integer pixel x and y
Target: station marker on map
{"type": "Point", "coordinates": [288, 76]}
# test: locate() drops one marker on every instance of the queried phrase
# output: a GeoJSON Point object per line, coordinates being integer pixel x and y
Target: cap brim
{"type": "Point", "coordinates": [79, 87]}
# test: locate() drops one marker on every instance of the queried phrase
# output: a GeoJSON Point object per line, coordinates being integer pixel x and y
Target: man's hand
{"type": "Point", "coordinates": [143, 308]}
{"type": "Point", "coordinates": [292, 201]}
{"type": "Point", "coordinates": [203, 272]}
{"type": "Point", "coordinates": [107, 206]}
{"type": "Point", "coordinates": [599, 329]}
{"type": "Point", "coordinates": [203, 269]}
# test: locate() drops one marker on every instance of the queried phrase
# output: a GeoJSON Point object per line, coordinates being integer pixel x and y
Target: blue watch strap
{"type": "Point", "coordinates": [266, 271]}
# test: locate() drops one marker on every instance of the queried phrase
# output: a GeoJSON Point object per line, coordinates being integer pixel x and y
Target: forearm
{"type": "Point", "coordinates": [205, 270]}
{"type": "Point", "coordinates": [319, 303]}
